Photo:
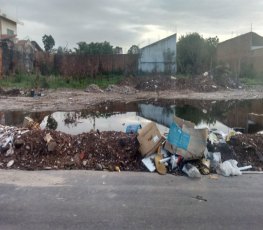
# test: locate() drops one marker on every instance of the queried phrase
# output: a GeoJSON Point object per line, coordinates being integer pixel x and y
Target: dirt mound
{"type": "Point", "coordinates": [248, 149]}
{"type": "Point", "coordinates": [94, 150]}
{"type": "Point", "coordinates": [93, 89]}
{"type": "Point", "coordinates": [198, 83]}
{"type": "Point", "coordinates": [11, 92]}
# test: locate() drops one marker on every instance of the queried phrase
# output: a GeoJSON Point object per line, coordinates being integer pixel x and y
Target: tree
{"type": "Point", "coordinates": [195, 54]}
{"type": "Point", "coordinates": [63, 50]}
{"type": "Point", "coordinates": [134, 50]}
{"type": "Point", "coordinates": [94, 48]}
{"type": "Point", "coordinates": [48, 42]}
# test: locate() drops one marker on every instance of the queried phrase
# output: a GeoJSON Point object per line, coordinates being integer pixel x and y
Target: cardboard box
{"type": "Point", "coordinates": [185, 140]}
{"type": "Point", "coordinates": [150, 139]}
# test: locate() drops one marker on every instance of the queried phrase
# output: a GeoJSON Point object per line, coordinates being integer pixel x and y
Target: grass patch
{"type": "Point", "coordinates": [25, 81]}
{"type": "Point", "coordinates": [252, 81]}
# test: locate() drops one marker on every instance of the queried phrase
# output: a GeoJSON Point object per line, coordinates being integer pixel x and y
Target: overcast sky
{"type": "Point", "coordinates": [126, 22]}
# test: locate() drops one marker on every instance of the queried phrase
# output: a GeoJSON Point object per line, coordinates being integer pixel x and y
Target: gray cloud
{"type": "Point", "coordinates": [124, 22]}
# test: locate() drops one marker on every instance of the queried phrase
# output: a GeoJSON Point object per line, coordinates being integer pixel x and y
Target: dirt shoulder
{"type": "Point", "coordinates": [68, 100]}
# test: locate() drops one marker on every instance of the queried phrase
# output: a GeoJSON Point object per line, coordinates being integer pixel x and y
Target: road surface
{"type": "Point", "coordinates": [125, 200]}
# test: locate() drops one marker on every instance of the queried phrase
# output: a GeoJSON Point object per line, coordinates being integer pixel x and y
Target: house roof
{"type": "Point", "coordinates": [35, 44]}
{"type": "Point", "coordinates": [256, 40]}
{"type": "Point", "coordinates": [162, 40]}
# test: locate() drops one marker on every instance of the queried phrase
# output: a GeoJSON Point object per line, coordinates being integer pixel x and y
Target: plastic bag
{"type": "Point", "coordinates": [191, 171]}
{"type": "Point", "coordinates": [228, 168]}
{"type": "Point", "coordinates": [215, 159]}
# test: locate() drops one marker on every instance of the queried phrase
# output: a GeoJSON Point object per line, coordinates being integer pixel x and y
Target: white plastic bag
{"type": "Point", "coordinates": [191, 171]}
{"type": "Point", "coordinates": [228, 168]}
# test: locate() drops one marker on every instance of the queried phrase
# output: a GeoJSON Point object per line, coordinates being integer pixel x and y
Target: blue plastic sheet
{"type": "Point", "coordinates": [133, 128]}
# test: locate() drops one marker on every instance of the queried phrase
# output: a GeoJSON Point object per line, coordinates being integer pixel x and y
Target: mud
{"type": "Point", "coordinates": [69, 100]}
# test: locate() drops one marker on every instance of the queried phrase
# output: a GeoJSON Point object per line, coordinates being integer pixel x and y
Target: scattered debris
{"type": "Point", "coordinates": [133, 128]}
{"type": "Point", "coordinates": [11, 92]}
{"type": "Point", "coordinates": [148, 162]}
{"type": "Point", "coordinates": [10, 163]}
{"type": "Point", "coordinates": [198, 197]}
{"type": "Point", "coordinates": [93, 89]}
{"type": "Point", "coordinates": [120, 89]}
{"type": "Point", "coordinates": [29, 123]}
{"type": "Point", "coordinates": [160, 167]}
{"type": "Point", "coordinates": [191, 171]}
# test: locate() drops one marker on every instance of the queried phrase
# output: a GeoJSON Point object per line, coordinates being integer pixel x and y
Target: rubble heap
{"type": "Point", "coordinates": [94, 150]}
{"type": "Point", "coordinates": [248, 149]}
{"type": "Point", "coordinates": [11, 92]}
{"type": "Point", "coordinates": [196, 83]}
{"type": "Point", "coordinates": [93, 89]}
{"type": "Point", "coordinates": [120, 89]}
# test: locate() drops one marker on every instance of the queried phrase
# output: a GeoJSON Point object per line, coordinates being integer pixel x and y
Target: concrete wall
{"type": "Point", "coordinates": [257, 60]}
{"type": "Point", "coordinates": [159, 57]}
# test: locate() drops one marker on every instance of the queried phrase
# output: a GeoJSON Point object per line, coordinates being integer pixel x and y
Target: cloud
{"type": "Point", "coordinates": [124, 22]}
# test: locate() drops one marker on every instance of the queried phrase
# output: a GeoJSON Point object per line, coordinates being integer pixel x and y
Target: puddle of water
{"type": "Point", "coordinates": [76, 123]}
{"type": "Point", "coordinates": [116, 116]}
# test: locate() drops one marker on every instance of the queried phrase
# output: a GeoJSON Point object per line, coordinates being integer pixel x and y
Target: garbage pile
{"type": "Point", "coordinates": [196, 83]}
{"type": "Point", "coordinates": [185, 150]}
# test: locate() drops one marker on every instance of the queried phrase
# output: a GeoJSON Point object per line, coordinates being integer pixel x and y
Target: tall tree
{"type": "Point", "coordinates": [94, 48]}
{"type": "Point", "coordinates": [48, 42]}
{"type": "Point", "coordinates": [134, 49]}
{"type": "Point", "coordinates": [195, 54]}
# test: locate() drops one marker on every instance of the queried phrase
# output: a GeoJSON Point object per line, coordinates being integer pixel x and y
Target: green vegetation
{"type": "Point", "coordinates": [48, 42]}
{"type": "Point", "coordinates": [54, 82]}
{"type": "Point", "coordinates": [195, 54]}
{"type": "Point", "coordinates": [134, 50]}
{"type": "Point", "coordinates": [94, 48]}
{"type": "Point", "coordinates": [252, 81]}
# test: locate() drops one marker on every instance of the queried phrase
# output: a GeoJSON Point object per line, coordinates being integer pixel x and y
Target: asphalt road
{"type": "Point", "coordinates": [103, 200]}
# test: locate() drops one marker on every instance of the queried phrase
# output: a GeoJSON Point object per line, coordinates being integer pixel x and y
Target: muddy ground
{"type": "Point", "coordinates": [69, 100]}
{"type": "Point", "coordinates": [115, 150]}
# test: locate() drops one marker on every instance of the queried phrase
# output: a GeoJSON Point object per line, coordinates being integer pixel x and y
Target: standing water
{"type": "Point", "coordinates": [222, 115]}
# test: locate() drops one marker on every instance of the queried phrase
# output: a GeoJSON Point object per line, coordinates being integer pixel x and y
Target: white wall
{"type": "Point", "coordinates": [5, 24]}
{"type": "Point", "coordinates": [152, 56]}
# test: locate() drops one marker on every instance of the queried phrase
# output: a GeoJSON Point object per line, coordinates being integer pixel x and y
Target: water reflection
{"type": "Point", "coordinates": [82, 122]}
{"type": "Point", "coordinates": [116, 116]}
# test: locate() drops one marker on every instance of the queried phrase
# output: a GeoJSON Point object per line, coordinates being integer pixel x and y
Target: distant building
{"type": "Point", "coordinates": [159, 57]}
{"type": "Point", "coordinates": [118, 50]}
{"type": "Point", "coordinates": [242, 53]}
{"type": "Point", "coordinates": [8, 26]}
